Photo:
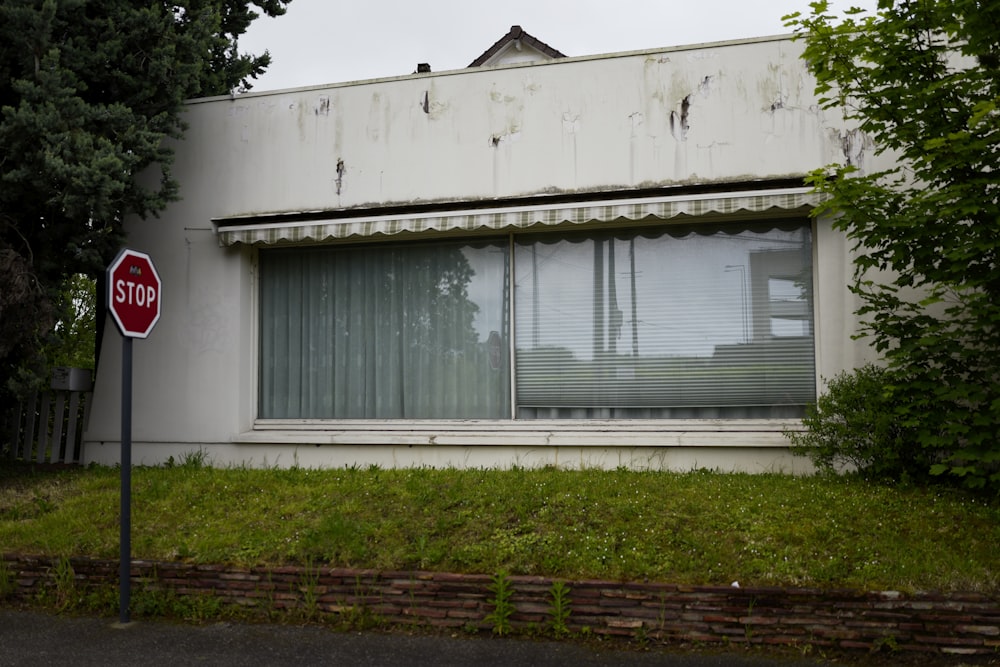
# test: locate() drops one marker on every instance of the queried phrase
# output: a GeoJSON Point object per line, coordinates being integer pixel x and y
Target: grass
{"type": "Point", "coordinates": [694, 528]}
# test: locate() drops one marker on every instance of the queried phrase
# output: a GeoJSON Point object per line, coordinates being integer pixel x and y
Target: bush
{"type": "Point", "coordinates": [855, 425]}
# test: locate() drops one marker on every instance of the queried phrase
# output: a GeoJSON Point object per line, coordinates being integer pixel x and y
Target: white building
{"type": "Point", "coordinates": [596, 261]}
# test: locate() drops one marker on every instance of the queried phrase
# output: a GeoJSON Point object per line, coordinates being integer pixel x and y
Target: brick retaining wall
{"type": "Point", "coordinates": [930, 623]}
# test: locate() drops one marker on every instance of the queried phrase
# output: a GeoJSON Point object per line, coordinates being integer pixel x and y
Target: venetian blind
{"type": "Point", "coordinates": [686, 322]}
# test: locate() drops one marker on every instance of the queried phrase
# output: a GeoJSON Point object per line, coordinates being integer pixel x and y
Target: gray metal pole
{"type": "Point", "coordinates": [125, 542]}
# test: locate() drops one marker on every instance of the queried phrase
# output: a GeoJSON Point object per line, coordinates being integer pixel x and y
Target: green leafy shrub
{"type": "Point", "coordinates": [923, 228]}
{"type": "Point", "coordinates": [856, 425]}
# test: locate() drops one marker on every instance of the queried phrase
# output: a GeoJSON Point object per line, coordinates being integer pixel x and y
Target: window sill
{"type": "Point", "coordinates": [533, 433]}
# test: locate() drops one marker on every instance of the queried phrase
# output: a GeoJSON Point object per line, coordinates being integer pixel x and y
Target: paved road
{"type": "Point", "coordinates": [28, 639]}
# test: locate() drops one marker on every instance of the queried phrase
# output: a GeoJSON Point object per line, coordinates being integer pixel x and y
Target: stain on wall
{"type": "Point", "coordinates": [680, 122]}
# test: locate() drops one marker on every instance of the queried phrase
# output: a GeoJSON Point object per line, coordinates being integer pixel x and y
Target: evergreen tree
{"type": "Point", "coordinates": [88, 92]}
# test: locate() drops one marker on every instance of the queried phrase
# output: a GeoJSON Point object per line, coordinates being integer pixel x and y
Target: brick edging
{"type": "Point", "coordinates": [923, 622]}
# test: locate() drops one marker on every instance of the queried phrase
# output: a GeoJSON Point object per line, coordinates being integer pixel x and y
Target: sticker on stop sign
{"type": "Point", "coordinates": [134, 291]}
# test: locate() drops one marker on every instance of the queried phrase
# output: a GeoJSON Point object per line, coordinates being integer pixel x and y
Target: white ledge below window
{"type": "Point", "coordinates": [534, 433]}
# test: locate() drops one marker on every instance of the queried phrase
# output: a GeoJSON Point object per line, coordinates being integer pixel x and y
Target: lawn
{"type": "Point", "coordinates": [697, 528]}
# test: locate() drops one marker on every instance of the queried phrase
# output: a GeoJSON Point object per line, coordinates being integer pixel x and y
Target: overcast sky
{"type": "Point", "coordinates": [329, 41]}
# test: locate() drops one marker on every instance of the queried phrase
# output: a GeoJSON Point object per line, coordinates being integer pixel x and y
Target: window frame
{"type": "Point", "coordinates": [532, 432]}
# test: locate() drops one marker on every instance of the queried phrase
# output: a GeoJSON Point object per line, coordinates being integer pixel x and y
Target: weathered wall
{"type": "Point", "coordinates": [687, 116]}
{"type": "Point", "coordinates": [732, 112]}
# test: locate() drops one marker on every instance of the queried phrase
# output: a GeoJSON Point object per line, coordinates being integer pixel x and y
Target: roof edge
{"type": "Point", "coordinates": [783, 37]}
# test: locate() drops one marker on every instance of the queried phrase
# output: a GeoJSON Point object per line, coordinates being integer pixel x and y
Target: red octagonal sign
{"type": "Point", "coordinates": [134, 293]}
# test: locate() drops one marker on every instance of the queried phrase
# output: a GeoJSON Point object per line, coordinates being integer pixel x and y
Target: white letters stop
{"type": "Point", "coordinates": [127, 291]}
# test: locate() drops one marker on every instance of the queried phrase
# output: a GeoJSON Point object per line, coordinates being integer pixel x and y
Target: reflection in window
{"type": "Point", "coordinates": [691, 322]}
{"type": "Point", "coordinates": [789, 307]}
{"type": "Point", "coordinates": [384, 332]}
{"type": "Point", "coordinates": [661, 324]}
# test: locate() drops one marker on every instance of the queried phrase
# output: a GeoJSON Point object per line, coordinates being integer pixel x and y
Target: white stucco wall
{"type": "Point", "coordinates": [573, 125]}
{"type": "Point", "coordinates": [733, 112]}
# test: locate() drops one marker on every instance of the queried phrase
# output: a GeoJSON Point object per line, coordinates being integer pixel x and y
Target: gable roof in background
{"type": "Point", "coordinates": [516, 46]}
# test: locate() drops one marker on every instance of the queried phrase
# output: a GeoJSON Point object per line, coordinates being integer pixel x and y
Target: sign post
{"type": "Point", "coordinates": [134, 292]}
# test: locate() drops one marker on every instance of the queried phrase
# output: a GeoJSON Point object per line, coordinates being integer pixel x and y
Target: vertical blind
{"type": "Point", "coordinates": [679, 322]}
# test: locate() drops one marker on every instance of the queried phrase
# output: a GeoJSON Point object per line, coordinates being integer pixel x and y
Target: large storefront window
{"type": "Point", "coordinates": [671, 322]}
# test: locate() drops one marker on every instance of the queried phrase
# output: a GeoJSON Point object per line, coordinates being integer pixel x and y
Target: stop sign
{"type": "Point", "coordinates": [134, 293]}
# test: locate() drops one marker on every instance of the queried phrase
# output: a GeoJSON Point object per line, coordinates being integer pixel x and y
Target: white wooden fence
{"type": "Point", "coordinates": [48, 426]}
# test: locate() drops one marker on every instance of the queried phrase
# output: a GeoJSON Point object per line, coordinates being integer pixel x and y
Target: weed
{"type": "Point", "coordinates": [194, 460]}
{"type": "Point", "coordinates": [8, 583]}
{"type": "Point", "coordinates": [64, 583]}
{"type": "Point", "coordinates": [267, 594]}
{"type": "Point", "coordinates": [661, 617]}
{"type": "Point", "coordinates": [310, 590]}
{"type": "Point", "coordinates": [411, 596]}
{"type": "Point", "coordinates": [199, 608]}
{"type": "Point", "coordinates": [559, 608]}
{"type": "Point", "coordinates": [427, 552]}
{"type": "Point", "coordinates": [360, 617]}
{"type": "Point", "coordinates": [102, 600]}
{"type": "Point", "coordinates": [502, 590]}
{"type": "Point", "coordinates": [886, 644]}
{"type": "Point", "coordinates": [748, 626]}
{"type": "Point", "coordinates": [152, 603]}
{"type": "Point", "coordinates": [43, 505]}
{"type": "Point", "coordinates": [533, 629]}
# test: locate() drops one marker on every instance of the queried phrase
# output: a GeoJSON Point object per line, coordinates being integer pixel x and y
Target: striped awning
{"type": "Point", "coordinates": [294, 228]}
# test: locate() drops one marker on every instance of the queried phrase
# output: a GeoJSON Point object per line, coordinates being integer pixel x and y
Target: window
{"type": "Point", "coordinates": [666, 322]}
{"type": "Point", "coordinates": [384, 332]}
